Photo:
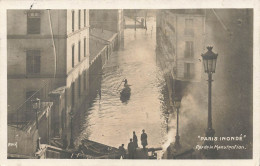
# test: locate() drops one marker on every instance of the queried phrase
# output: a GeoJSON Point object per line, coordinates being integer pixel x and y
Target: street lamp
{"type": "Point", "coordinates": [177, 104]}
{"type": "Point", "coordinates": [209, 62]}
{"type": "Point", "coordinates": [71, 146]}
{"type": "Point", "coordinates": [36, 104]}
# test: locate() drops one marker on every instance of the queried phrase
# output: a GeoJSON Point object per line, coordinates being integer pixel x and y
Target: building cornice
{"type": "Point", "coordinates": [33, 76]}
{"type": "Point", "coordinates": [36, 36]}
{"type": "Point", "coordinates": [77, 31]}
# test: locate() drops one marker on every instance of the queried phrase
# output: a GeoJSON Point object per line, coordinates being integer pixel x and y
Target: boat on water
{"type": "Point", "coordinates": [125, 93]}
{"type": "Point", "coordinates": [98, 150]}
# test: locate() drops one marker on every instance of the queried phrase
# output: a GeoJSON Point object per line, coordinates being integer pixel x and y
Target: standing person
{"type": "Point", "coordinates": [122, 151]}
{"type": "Point", "coordinates": [131, 149]}
{"type": "Point", "coordinates": [144, 139]}
{"type": "Point", "coordinates": [135, 140]}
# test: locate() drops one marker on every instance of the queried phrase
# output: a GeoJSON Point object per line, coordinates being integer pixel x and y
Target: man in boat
{"type": "Point", "coordinates": [144, 139]}
{"type": "Point", "coordinates": [122, 151]}
{"type": "Point", "coordinates": [125, 82]}
{"type": "Point", "coordinates": [131, 149]}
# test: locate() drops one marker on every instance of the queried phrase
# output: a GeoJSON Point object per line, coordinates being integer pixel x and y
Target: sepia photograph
{"type": "Point", "coordinates": [161, 84]}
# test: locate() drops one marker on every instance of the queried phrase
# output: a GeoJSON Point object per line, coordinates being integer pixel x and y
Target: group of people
{"type": "Point", "coordinates": [133, 145]}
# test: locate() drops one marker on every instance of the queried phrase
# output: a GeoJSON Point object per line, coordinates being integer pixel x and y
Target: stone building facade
{"type": "Point", "coordinates": [180, 42]}
{"type": "Point", "coordinates": [48, 58]}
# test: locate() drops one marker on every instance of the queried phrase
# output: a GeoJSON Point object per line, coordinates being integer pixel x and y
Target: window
{"type": "Point", "coordinates": [79, 86]}
{"type": "Point", "coordinates": [188, 53]}
{"type": "Point", "coordinates": [72, 53]}
{"type": "Point", "coordinates": [189, 70]}
{"type": "Point", "coordinates": [188, 26]}
{"type": "Point", "coordinates": [84, 17]}
{"type": "Point", "coordinates": [85, 47]}
{"type": "Point", "coordinates": [85, 80]}
{"type": "Point", "coordinates": [79, 18]}
{"type": "Point", "coordinates": [79, 51]}
{"type": "Point", "coordinates": [33, 23]}
{"type": "Point", "coordinates": [72, 94]}
{"type": "Point", "coordinates": [73, 20]}
{"type": "Point", "coordinates": [33, 62]}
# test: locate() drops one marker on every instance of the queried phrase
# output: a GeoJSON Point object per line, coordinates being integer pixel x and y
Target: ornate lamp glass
{"type": "Point", "coordinates": [36, 103]}
{"type": "Point", "coordinates": [177, 102]}
{"type": "Point", "coordinates": [209, 60]}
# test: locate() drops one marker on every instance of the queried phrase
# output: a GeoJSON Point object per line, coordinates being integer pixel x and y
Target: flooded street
{"type": "Point", "coordinates": [111, 121]}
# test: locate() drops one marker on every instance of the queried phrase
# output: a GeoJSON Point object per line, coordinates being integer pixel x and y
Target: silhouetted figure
{"type": "Point", "coordinates": [144, 139]}
{"type": "Point", "coordinates": [125, 82]}
{"type": "Point", "coordinates": [135, 140]}
{"type": "Point", "coordinates": [131, 149]}
{"type": "Point", "coordinates": [38, 144]}
{"type": "Point", "coordinates": [122, 151]}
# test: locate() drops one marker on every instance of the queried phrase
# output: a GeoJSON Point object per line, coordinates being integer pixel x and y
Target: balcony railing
{"type": "Point", "coordinates": [25, 114]}
{"type": "Point", "coordinates": [189, 75]}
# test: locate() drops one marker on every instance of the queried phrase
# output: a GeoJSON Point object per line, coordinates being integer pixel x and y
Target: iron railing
{"type": "Point", "coordinates": [24, 114]}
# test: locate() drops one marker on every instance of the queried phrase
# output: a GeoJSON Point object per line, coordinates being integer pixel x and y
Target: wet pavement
{"type": "Point", "coordinates": [110, 121]}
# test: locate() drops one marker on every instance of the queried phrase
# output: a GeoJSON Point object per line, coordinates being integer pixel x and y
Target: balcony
{"type": "Point", "coordinates": [189, 75]}
{"type": "Point", "coordinates": [24, 116]}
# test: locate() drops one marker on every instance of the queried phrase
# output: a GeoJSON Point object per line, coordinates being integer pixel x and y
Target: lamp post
{"type": "Point", "coordinates": [71, 146]}
{"type": "Point", "coordinates": [36, 104]}
{"type": "Point", "coordinates": [209, 62]}
{"type": "Point", "coordinates": [177, 104]}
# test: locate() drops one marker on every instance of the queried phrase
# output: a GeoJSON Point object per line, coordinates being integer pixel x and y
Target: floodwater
{"type": "Point", "coordinates": [110, 121]}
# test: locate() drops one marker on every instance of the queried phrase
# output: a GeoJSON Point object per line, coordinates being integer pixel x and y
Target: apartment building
{"type": "Point", "coordinates": [109, 19]}
{"type": "Point", "coordinates": [180, 41]}
{"type": "Point", "coordinates": [48, 58]}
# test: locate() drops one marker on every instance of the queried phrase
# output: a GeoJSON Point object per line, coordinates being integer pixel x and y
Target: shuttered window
{"type": "Point", "coordinates": [79, 51]}
{"type": "Point", "coordinates": [72, 54]}
{"type": "Point", "coordinates": [84, 17]}
{"type": "Point", "coordinates": [189, 72]}
{"type": "Point", "coordinates": [72, 94]}
{"type": "Point", "coordinates": [79, 18]}
{"type": "Point", "coordinates": [33, 23]}
{"type": "Point", "coordinates": [33, 62]}
{"type": "Point", "coordinates": [79, 86]}
{"type": "Point", "coordinates": [73, 20]}
{"type": "Point", "coordinates": [85, 47]}
{"type": "Point", "coordinates": [189, 53]}
{"type": "Point", "coordinates": [85, 80]}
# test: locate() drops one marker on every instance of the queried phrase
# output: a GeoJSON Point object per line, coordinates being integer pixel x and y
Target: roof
{"type": "Point", "coordinates": [95, 47]}
{"type": "Point", "coordinates": [105, 34]}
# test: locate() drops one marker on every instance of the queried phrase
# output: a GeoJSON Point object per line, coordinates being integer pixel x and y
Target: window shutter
{"type": "Point", "coordinates": [37, 63]}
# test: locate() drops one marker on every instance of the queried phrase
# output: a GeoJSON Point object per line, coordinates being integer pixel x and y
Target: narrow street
{"type": "Point", "coordinates": [110, 121]}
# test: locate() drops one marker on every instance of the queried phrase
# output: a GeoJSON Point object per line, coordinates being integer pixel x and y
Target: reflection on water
{"type": "Point", "coordinates": [110, 121]}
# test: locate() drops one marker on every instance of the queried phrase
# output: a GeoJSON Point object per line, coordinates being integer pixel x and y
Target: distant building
{"type": "Point", "coordinates": [180, 42]}
{"type": "Point", "coordinates": [180, 38]}
{"type": "Point", "coordinates": [47, 50]}
{"type": "Point", "coordinates": [108, 19]}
